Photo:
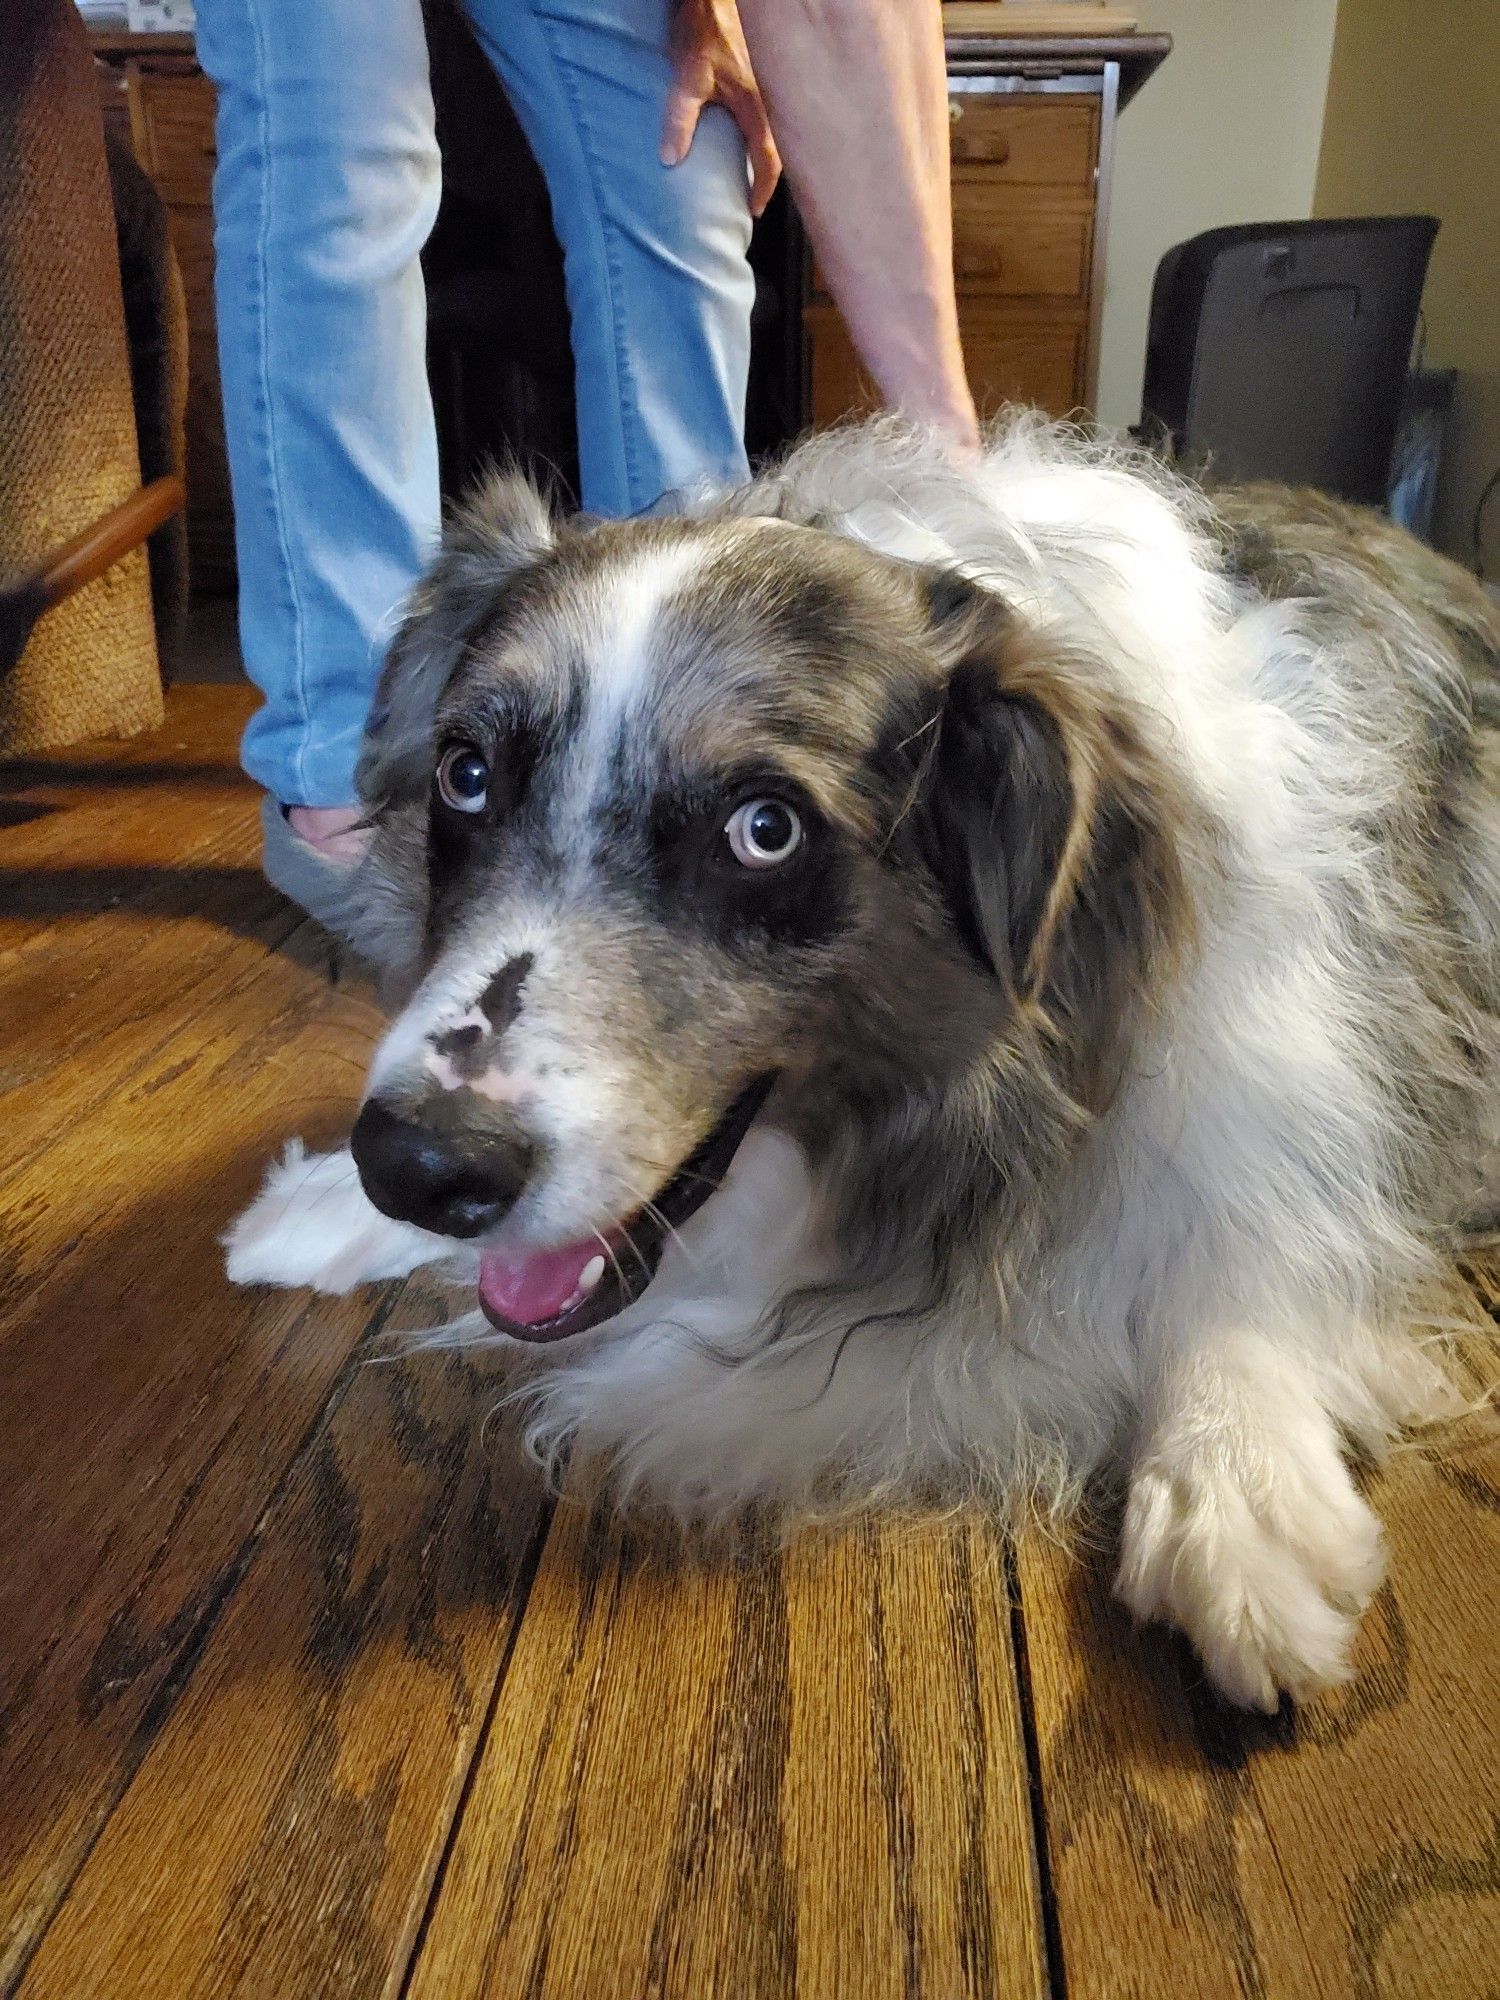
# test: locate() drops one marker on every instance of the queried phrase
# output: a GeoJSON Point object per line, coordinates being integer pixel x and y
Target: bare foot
{"type": "Point", "coordinates": [338, 833]}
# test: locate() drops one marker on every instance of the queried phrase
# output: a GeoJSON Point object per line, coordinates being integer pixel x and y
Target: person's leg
{"type": "Point", "coordinates": [326, 189]}
{"type": "Point", "coordinates": [659, 289]}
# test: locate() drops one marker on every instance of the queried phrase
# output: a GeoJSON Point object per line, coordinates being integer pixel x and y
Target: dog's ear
{"type": "Point", "coordinates": [998, 797]}
{"type": "Point", "coordinates": [1052, 827]}
{"type": "Point", "coordinates": [499, 531]}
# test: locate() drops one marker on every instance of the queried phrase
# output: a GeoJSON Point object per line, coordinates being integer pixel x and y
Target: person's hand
{"type": "Point", "coordinates": [713, 67]}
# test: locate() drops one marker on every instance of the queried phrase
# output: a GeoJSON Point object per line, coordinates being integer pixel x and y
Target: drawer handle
{"type": "Point", "coordinates": [996, 155]}
{"type": "Point", "coordinates": [998, 151]}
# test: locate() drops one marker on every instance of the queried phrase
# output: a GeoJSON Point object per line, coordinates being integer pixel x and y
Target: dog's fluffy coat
{"type": "Point", "coordinates": [1136, 1049]}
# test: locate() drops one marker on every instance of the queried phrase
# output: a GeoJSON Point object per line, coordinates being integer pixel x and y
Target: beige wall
{"type": "Point", "coordinates": [1413, 123]}
{"type": "Point", "coordinates": [1226, 131]}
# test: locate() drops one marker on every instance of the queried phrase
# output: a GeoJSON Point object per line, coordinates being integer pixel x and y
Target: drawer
{"type": "Point", "coordinates": [174, 122]}
{"type": "Point", "coordinates": [1010, 359]}
{"type": "Point", "coordinates": [1016, 360]}
{"type": "Point", "coordinates": [837, 385]}
{"type": "Point", "coordinates": [1013, 252]}
{"type": "Point", "coordinates": [1019, 252]}
{"type": "Point", "coordinates": [1053, 141]}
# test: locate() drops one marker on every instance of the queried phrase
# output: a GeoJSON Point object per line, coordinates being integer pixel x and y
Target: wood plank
{"type": "Point", "coordinates": [196, 1120]}
{"type": "Point", "coordinates": [131, 908]}
{"type": "Point", "coordinates": [200, 732]}
{"type": "Point", "coordinates": [89, 995]}
{"type": "Point", "coordinates": [64, 926]}
{"type": "Point", "coordinates": [78, 1024]}
{"type": "Point", "coordinates": [122, 881]}
{"type": "Point", "coordinates": [1015, 17]}
{"type": "Point", "coordinates": [281, 1837]}
{"type": "Point", "coordinates": [126, 1586]}
{"type": "Point", "coordinates": [139, 809]}
{"type": "Point", "coordinates": [150, 1412]}
{"type": "Point", "coordinates": [770, 1776]}
{"type": "Point", "coordinates": [1349, 1850]}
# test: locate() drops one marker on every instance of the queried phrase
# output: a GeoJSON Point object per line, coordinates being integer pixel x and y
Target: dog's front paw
{"type": "Point", "coordinates": [1262, 1552]}
{"type": "Point", "coordinates": [313, 1224]}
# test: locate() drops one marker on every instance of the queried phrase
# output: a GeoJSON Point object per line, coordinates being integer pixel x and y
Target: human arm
{"type": "Point", "coordinates": [857, 96]}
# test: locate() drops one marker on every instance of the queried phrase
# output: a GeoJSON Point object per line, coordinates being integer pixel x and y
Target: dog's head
{"type": "Point", "coordinates": [685, 817]}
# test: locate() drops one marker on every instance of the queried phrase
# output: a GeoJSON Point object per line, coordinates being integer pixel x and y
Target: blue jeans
{"type": "Point", "coordinates": [326, 188]}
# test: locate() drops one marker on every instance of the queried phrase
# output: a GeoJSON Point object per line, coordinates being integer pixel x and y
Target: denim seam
{"type": "Point", "coordinates": [629, 400]}
{"type": "Point", "coordinates": [273, 467]}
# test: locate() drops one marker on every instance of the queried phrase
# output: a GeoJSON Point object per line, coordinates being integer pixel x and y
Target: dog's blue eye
{"type": "Point", "coordinates": [762, 833]}
{"type": "Point", "coordinates": [463, 779]}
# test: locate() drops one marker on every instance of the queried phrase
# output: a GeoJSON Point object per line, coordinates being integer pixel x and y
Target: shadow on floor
{"type": "Point", "coordinates": [26, 774]}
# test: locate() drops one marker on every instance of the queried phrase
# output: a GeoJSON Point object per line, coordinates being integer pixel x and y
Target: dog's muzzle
{"type": "Point", "coordinates": [459, 1181]}
{"type": "Point", "coordinates": [453, 1182]}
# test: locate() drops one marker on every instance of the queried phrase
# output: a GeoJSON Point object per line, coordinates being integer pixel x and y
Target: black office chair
{"type": "Point", "coordinates": [1279, 350]}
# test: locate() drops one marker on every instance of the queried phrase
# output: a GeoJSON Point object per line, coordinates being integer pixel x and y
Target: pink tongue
{"type": "Point", "coordinates": [536, 1286]}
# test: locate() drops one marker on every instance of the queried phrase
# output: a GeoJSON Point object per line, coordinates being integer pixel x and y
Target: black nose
{"type": "Point", "coordinates": [455, 1183]}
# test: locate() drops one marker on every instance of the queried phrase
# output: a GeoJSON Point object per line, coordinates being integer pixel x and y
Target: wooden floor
{"type": "Point", "coordinates": [304, 1693]}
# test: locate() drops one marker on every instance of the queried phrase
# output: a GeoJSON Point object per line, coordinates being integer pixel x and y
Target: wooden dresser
{"type": "Point", "coordinates": [1033, 140]}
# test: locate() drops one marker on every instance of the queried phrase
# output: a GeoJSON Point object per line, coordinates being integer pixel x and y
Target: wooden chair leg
{"type": "Point", "coordinates": [80, 561]}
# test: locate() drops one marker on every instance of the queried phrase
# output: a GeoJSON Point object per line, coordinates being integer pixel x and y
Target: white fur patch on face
{"type": "Point", "coordinates": [447, 1000]}
{"type": "Point", "coordinates": [623, 661]}
{"type": "Point", "coordinates": [503, 1086]}
{"type": "Point", "coordinates": [634, 592]}
{"type": "Point", "coordinates": [500, 1086]}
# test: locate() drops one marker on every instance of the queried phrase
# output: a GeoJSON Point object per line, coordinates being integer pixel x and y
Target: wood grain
{"type": "Point", "coordinates": [785, 1775]}
{"type": "Point", "coordinates": [1042, 141]}
{"type": "Point", "coordinates": [120, 921]}
{"type": "Point", "coordinates": [1347, 1850]}
{"type": "Point", "coordinates": [297, 1703]}
{"type": "Point", "coordinates": [1040, 253]}
{"type": "Point", "coordinates": [281, 1837]}
{"type": "Point", "coordinates": [149, 1412]}
{"type": "Point", "coordinates": [1008, 17]}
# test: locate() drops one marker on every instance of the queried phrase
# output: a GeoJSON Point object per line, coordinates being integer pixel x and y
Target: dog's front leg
{"type": "Point", "coordinates": [1243, 1525]}
{"type": "Point", "coordinates": [313, 1224]}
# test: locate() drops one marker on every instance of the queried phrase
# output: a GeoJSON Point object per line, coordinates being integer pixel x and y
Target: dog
{"type": "Point", "coordinates": [929, 983]}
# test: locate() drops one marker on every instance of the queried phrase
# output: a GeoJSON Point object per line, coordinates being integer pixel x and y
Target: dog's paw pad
{"type": "Point", "coordinates": [1267, 1580]}
{"type": "Point", "coordinates": [313, 1224]}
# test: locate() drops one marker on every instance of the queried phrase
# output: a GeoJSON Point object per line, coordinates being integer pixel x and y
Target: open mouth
{"type": "Point", "coordinates": [547, 1294]}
